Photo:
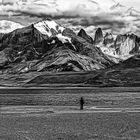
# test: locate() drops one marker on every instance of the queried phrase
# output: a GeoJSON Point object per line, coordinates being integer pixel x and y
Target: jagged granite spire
{"type": "Point", "coordinates": [127, 44]}
{"type": "Point", "coordinates": [98, 36]}
{"type": "Point", "coordinates": [82, 33]}
{"type": "Point", "coordinates": [108, 40]}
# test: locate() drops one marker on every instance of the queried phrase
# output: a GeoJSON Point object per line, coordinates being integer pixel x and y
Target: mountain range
{"type": "Point", "coordinates": [48, 47]}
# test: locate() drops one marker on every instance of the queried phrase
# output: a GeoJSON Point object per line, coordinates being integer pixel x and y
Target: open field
{"type": "Point", "coordinates": [70, 96]}
{"type": "Point", "coordinates": [35, 114]}
{"type": "Point", "coordinates": [58, 123]}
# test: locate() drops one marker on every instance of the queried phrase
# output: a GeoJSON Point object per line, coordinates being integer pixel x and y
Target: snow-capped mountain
{"type": "Point", "coordinates": [9, 26]}
{"type": "Point", "coordinates": [46, 27]}
{"type": "Point", "coordinates": [51, 28]}
{"type": "Point", "coordinates": [47, 46]}
{"type": "Point", "coordinates": [120, 47]}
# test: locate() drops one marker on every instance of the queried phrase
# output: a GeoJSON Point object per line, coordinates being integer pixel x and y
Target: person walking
{"type": "Point", "coordinates": [82, 103]}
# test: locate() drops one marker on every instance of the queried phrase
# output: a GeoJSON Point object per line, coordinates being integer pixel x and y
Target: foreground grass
{"type": "Point", "coordinates": [70, 126]}
{"type": "Point", "coordinates": [39, 122]}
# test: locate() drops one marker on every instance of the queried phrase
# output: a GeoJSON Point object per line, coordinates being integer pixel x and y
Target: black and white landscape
{"type": "Point", "coordinates": [97, 43]}
{"type": "Point", "coordinates": [53, 52]}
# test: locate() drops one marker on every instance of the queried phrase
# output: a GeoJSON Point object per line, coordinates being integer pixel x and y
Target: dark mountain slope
{"type": "Point", "coordinates": [127, 44]}
{"type": "Point", "coordinates": [125, 74]}
{"type": "Point", "coordinates": [46, 45]}
{"type": "Point", "coordinates": [98, 36]}
{"type": "Point", "coordinates": [82, 33]}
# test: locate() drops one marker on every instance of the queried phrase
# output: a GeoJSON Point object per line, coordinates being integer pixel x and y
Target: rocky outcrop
{"type": "Point", "coordinates": [82, 33]}
{"type": "Point", "coordinates": [108, 40]}
{"type": "Point", "coordinates": [123, 47]}
{"type": "Point", "coordinates": [106, 44]}
{"type": "Point", "coordinates": [98, 36]}
{"type": "Point", "coordinates": [68, 32]}
{"type": "Point", "coordinates": [127, 44]}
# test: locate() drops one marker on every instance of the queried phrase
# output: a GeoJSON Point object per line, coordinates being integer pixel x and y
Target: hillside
{"type": "Point", "coordinates": [125, 74]}
{"type": "Point", "coordinates": [45, 48]}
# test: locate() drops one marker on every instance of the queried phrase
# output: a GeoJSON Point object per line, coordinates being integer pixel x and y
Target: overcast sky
{"type": "Point", "coordinates": [112, 15]}
{"type": "Point", "coordinates": [58, 7]}
{"type": "Point", "coordinates": [131, 3]}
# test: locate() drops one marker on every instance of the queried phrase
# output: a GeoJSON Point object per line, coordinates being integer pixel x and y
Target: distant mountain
{"type": "Point", "coordinates": [82, 33]}
{"type": "Point", "coordinates": [48, 46]}
{"type": "Point", "coordinates": [98, 36]}
{"type": "Point", "coordinates": [127, 44]}
{"type": "Point", "coordinates": [8, 26]}
{"type": "Point", "coordinates": [108, 40]}
{"type": "Point", "coordinates": [121, 47]}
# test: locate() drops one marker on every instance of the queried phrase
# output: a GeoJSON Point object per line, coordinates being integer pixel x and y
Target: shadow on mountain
{"type": "Point", "coordinates": [49, 47]}
{"type": "Point", "coordinates": [125, 74]}
{"type": "Point", "coordinates": [48, 53]}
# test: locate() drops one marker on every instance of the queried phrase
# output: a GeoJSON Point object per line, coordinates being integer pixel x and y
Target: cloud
{"type": "Point", "coordinates": [88, 14]}
{"type": "Point", "coordinates": [52, 7]}
{"type": "Point", "coordinates": [63, 8]}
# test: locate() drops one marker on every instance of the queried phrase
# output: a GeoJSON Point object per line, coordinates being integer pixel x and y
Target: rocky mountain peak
{"type": "Point", "coordinates": [127, 44]}
{"type": "Point", "coordinates": [48, 27]}
{"type": "Point", "coordinates": [98, 36]}
{"type": "Point", "coordinates": [108, 40]}
{"type": "Point", "coordinates": [47, 46]}
{"type": "Point", "coordinates": [82, 33]}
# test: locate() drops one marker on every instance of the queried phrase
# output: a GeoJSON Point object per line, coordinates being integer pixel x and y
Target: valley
{"type": "Point", "coordinates": [56, 55]}
{"type": "Point", "coordinates": [43, 113]}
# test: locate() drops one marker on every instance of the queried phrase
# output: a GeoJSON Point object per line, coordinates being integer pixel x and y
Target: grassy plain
{"type": "Point", "coordinates": [53, 114]}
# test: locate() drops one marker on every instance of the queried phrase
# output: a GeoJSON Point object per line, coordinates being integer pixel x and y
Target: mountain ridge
{"type": "Point", "coordinates": [46, 46]}
{"type": "Point", "coordinates": [35, 42]}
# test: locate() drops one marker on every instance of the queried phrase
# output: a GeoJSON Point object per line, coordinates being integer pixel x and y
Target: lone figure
{"type": "Point", "coordinates": [81, 103]}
